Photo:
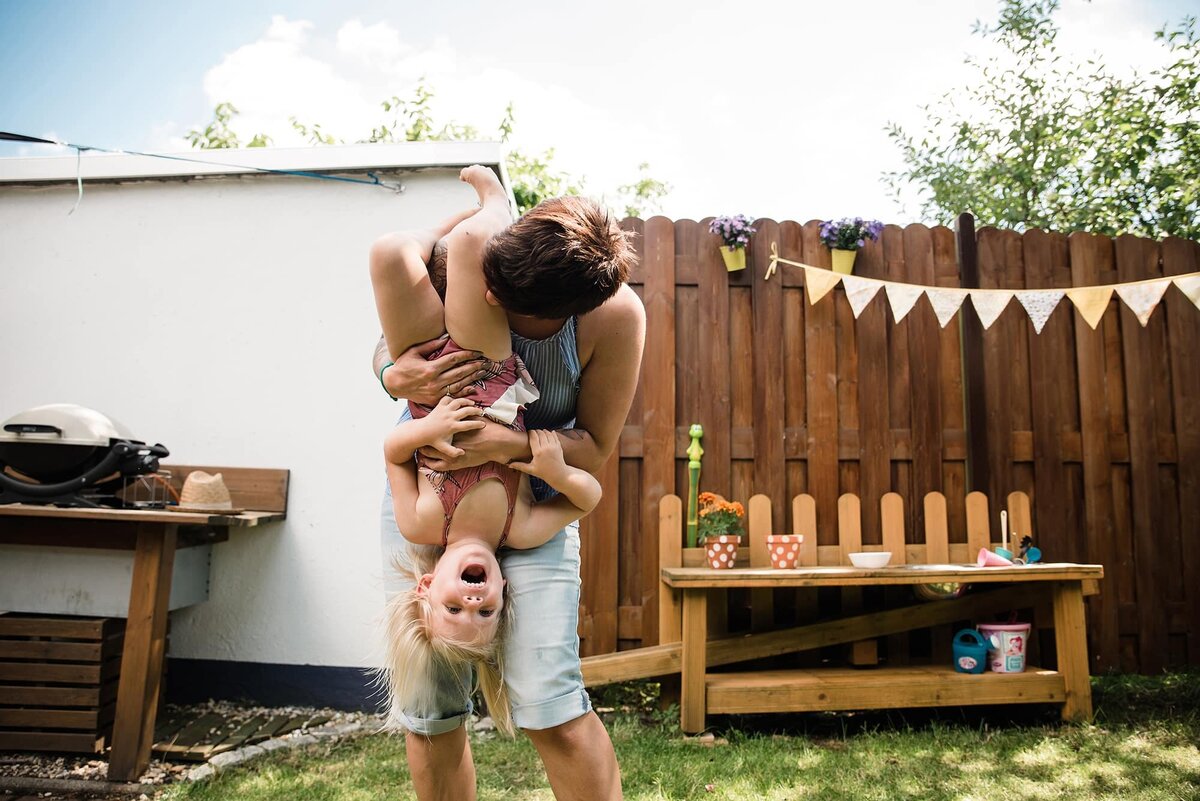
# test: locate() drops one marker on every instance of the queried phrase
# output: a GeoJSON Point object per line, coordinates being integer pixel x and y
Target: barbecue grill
{"type": "Point", "coordinates": [69, 455]}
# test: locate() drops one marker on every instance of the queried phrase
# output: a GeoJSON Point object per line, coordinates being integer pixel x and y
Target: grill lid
{"type": "Point", "coordinates": [63, 424]}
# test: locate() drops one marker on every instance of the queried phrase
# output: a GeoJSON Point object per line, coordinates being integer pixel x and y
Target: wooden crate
{"type": "Point", "coordinates": [58, 681]}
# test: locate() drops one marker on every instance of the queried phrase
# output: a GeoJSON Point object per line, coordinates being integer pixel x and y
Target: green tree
{"type": "Point", "coordinates": [1037, 140]}
{"type": "Point", "coordinates": [533, 176]}
{"type": "Point", "coordinates": [219, 135]}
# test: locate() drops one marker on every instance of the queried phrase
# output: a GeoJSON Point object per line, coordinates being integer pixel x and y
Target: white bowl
{"type": "Point", "coordinates": [871, 558]}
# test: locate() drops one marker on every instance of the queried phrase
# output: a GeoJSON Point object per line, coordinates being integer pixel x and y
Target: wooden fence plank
{"type": "Point", "coordinates": [1137, 259]}
{"type": "Point", "coordinates": [762, 606]}
{"type": "Point", "coordinates": [714, 374]}
{"type": "Point", "coordinates": [978, 531]}
{"type": "Point", "coordinates": [1090, 255]}
{"type": "Point", "coordinates": [820, 351]}
{"type": "Point", "coordinates": [1048, 370]}
{"type": "Point", "coordinates": [1183, 322]}
{"type": "Point", "coordinates": [769, 469]}
{"type": "Point", "coordinates": [874, 426]}
{"type": "Point", "coordinates": [600, 546]}
{"type": "Point", "coordinates": [658, 382]}
{"type": "Point", "coordinates": [997, 346]}
{"type": "Point", "coordinates": [924, 346]}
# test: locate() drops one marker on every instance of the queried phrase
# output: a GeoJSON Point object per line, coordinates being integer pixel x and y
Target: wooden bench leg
{"type": "Point", "coordinates": [1070, 635]}
{"type": "Point", "coordinates": [142, 656]}
{"type": "Point", "coordinates": [692, 667]}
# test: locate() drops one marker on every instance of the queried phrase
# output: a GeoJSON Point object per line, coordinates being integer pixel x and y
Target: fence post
{"type": "Point", "coordinates": [974, 399]}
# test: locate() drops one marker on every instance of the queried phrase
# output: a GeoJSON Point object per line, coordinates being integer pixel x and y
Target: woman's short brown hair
{"type": "Point", "coordinates": [565, 256]}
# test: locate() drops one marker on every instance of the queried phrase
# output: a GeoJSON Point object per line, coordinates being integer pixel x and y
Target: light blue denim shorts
{"type": "Point", "coordinates": [542, 671]}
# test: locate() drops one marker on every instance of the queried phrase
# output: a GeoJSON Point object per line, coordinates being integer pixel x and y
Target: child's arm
{"type": "Point", "coordinates": [409, 309]}
{"type": "Point", "coordinates": [471, 320]}
{"type": "Point", "coordinates": [437, 428]}
{"type": "Point", "coordinates": [579, 492]}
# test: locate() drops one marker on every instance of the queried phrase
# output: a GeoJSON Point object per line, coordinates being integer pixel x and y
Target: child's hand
{"type": "Point", "coordinates": [547, 460]}
{"type": "Point", "coordinates": [448, 418]}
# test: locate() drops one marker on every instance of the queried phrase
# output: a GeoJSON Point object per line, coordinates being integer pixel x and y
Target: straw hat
{"type": "Point", "coordinates": [203, 492]}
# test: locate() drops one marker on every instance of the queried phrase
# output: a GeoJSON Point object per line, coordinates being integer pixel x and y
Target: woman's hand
{"type": "Point", "coordinates": [426, 382]}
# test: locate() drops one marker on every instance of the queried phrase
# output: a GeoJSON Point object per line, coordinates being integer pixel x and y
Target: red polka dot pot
{"type": "Point", "coordinates": [784, 549]}
{"type": "Point", "coordinates": [721, 551]}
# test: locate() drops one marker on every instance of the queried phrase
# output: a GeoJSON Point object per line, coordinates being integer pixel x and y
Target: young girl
{"type": "Point", "coordinates": [457, 611]}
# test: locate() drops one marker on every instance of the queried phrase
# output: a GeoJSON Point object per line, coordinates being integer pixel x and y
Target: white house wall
{"type": "Point", "coordinates": [231, 319]}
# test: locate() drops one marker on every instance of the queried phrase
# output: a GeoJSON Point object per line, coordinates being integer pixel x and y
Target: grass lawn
{"type": "Point", "coordinates": [1145, 744]}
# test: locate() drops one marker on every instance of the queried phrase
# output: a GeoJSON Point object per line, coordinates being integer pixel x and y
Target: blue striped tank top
{"type": "Point", "coordinates": [553, 363]}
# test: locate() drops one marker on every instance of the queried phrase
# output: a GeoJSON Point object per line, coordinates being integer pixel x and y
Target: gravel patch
{"type": "Point", "coordinates": [73, 771]}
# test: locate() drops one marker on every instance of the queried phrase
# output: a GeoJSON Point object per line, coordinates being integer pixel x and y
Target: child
{"type": "Point", "coordinates": [457, 611]}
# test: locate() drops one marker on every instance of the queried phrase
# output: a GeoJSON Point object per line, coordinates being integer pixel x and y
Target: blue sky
{"type": "Point", "coordinates": [768, 109]}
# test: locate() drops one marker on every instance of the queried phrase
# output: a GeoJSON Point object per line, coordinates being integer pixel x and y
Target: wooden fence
{"type": "Point", "coordinates": [1101, 428]}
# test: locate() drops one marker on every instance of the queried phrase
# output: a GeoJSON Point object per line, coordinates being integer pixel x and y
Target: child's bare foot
{"type": "Point", "coordinates": [483, 181]}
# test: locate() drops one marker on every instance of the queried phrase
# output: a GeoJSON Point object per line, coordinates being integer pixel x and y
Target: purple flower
{"type": "Point", "coordinates": [849, 234]}
{"type": "Point", "coordinates": [734, 231]}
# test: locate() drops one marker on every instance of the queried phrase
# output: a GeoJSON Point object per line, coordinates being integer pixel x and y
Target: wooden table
{"type": "Point", "coordinates": [886, 687]}
{"type": "Point", "coordinates": [153, 536]}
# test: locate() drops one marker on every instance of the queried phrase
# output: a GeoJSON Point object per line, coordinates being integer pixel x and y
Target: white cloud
{"type": "Point", "coordinates": [781, 115]}
{"type": "Point", "coordinates": [378, 45]}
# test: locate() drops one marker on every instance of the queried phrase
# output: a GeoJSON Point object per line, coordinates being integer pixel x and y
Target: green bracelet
{"type": "Point", "coordinates": [385, 389]}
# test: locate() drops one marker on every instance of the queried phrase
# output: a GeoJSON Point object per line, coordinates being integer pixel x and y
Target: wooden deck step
{"type": "Point", "coordinates": [841, 689]}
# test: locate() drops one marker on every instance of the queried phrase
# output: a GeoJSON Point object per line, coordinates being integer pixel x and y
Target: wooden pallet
{"type": "Point", "coordinates": [198, 737]}
{"type": "Point", "coordinates": [58, 681]}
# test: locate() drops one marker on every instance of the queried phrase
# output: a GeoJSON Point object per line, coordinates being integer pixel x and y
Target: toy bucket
{"type": "Point", "coordinates": [721, 550]}
{"type": "Point", "coordinates": [970, 651]}
{"type": "Point", "coordinates": [784, 549]}
{"type": "Point", "coordinates": [1006, 651]}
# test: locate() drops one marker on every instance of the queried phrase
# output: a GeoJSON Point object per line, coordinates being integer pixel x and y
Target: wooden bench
{"type": "Point", "coordinates": [684, 616]}
{"type": "Point", "coordinates": [153, 536]}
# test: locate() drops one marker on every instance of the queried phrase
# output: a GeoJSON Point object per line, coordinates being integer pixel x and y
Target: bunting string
{"type": "Point", "coordinates": [1141, 297]}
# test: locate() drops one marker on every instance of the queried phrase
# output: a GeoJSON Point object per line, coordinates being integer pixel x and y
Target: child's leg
{"type": "Point", "coordinates": [472, 322]}
{"type": "Point", "coordinates": [410, 311]}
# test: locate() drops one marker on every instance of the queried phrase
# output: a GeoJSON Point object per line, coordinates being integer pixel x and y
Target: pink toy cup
{"type": "Point", "coordinates": [721, 550]}
{"type": "Point", "coordinates": [990, 559]}
{"type": "Point", "coordinates": [784, 549]}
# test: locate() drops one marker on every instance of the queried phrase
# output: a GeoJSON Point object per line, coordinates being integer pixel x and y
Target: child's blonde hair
{"type": "Point", "coordinates": [415, 653]}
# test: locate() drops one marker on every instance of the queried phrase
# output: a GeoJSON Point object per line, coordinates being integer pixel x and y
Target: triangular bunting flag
{"type": "Point", "coordinates": [860, 292]}
{"type": "Point", "coordinates": [1190, 286]}
{"type": "Point", "coordinates": [902, 297]}
{"type": "Point", "coordinates": [1091, 302]}
{"type": "Point", "coordinates": [819, 282]}
{"type": "Point", "coordinates": [1143, 298]}
{"type": "Point", "coordinates": [1039, 305]}
{"type": "Point", "coordinates": [945, 302]}
{"type": "Point", "coordinates": [989, 304]}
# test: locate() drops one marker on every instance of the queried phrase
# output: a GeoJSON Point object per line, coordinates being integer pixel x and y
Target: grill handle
{"type": "Point", "coordinates": [32, 428]}
{"type": "Point", "coordinates": [109, 464]}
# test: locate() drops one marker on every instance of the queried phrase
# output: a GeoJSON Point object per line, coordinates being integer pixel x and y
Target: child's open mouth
{"type": "Point", "coordinates": [474, 575]}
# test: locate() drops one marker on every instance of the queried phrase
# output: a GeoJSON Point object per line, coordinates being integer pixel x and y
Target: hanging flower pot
{"type": "Point", "coordinates": [843, 260]}
{"type": "Point", "coordinates": [845, 237]}
{"type": "Point", "coordinates": [735, 235]}
{"type": "Point", "coordinates": [735, 258]}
